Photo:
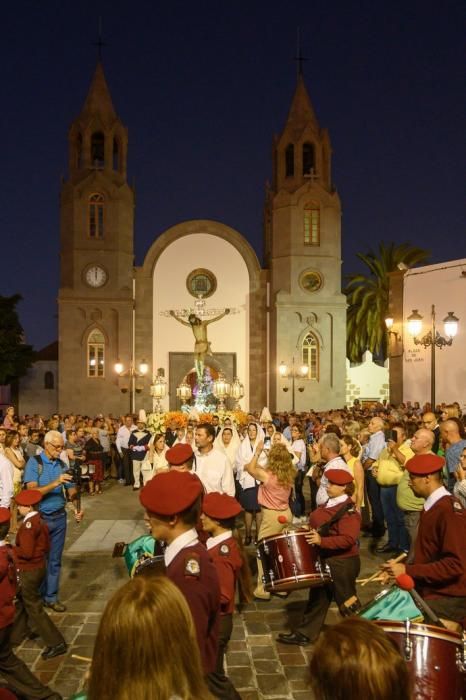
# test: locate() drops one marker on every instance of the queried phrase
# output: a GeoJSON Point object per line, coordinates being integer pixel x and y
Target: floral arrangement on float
{"type": "Point", "coordinates": [159, 422]}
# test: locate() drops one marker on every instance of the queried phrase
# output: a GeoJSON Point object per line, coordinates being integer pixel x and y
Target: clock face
{"type": "Point", "coordinates": [95, 276]}
{"type": "Point", "coordinates": [311, 281]}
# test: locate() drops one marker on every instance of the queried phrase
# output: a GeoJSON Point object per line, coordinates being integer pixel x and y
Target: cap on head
{"type": "Point", "coordinates": [28, 497]}
{"type": "Point", "coordinates": [179, 454]}
{"type": "Point", "coordinates": [339, 476]}
{"type": "Point", "coordinates": [422, 465]}
{"type": "Point", "coordinates": [4, 516]}
{"type": "Point", "coordinates": [170, 492]}
{"type": "Point", "coordinates": [220, 506]}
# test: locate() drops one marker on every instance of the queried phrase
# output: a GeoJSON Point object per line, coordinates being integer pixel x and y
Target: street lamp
{"type": "Point", "coordinates": [389, 321]}
{"type": "Point", "coordinates": [293, 373]}
{"type": "Point", "coordinates": [432, 339]}
{"type": "Point", "coordinates": [221, 390]}
{"type": "Point", "coordinates": [158, 390]}
{"type": "Point", "coordinates": [132, 373]}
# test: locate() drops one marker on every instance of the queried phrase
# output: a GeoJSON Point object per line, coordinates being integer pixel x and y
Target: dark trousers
{"type": "Point", "coordinates": [448, 607]}
{"type": "Point", "coordinates": [17, 674]}
{"type": "Point", "coordinates": [299, 508]}
{"type": "Point", "coordinates": [343, 585]}
{"type": "Point", "coordinates": [30, 614]}
{"type": "Point", "coordinates": [126, 467]}
{"type": "Point", "coordinates": [373, 493]}
{"type": "Point", "coordinates": [398, 536]}
{"type": "Point", "coordinates": [219, 684]}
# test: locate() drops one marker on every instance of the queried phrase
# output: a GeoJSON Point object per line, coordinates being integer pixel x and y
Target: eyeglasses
{"type": "Point", "coordinates": [427, 422]}
{"type": "Point", "coordinates": [55, 447]}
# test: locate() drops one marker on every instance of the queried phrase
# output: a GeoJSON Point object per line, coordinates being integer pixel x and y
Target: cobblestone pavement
{"type": "Point", "coordinates": [259, 667]}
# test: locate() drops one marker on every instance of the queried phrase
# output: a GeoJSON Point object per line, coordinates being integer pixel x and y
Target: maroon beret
{"type": "Point", "coordinates": [179, 454]}
{"type": "Point", "coordinates": [220, 506]}
{"type": "Point", "coordinates": [339, 476]}
{"type": "Point", "coordinates": [170, 492]}
{"type": "Point", "coordinates": [5, 516]}
{"type": "Point", "coordinates": [28, 497]}
{"type": "Point", "coordinates": [422, 465]}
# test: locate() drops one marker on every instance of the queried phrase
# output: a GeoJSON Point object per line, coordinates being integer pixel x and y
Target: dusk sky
{"type": "Point", "coordinates": [202, 88]}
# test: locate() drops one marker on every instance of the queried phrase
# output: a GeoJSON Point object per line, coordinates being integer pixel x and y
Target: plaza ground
{"type": "Point", "coordinates": [259, 667]}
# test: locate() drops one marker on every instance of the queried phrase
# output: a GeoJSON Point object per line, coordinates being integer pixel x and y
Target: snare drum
{"type": "Point", "coordinates": [290, 563]}
{"type": "Point", "coordinates": [435, 658]}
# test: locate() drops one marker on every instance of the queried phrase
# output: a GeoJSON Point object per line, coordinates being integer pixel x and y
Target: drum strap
{"type": "Point", "coordinates": [324, 529]}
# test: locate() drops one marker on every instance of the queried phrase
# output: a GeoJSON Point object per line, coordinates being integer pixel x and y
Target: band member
{"type": "Point", "coordinates": [218, 519]}
{"type": "Point", "coordinates": [172, 501]}
{"type": "Point", "coordinates": [334, 528]}
{"type": "Point", "coordinates": [32, 547]}
{"type": "Point", "coordinates": [12, 669]}
{"type": "Point", "coordinates": [439, 568]}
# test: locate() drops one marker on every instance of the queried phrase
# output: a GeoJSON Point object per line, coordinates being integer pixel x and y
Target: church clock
{"type": "Point", "coordinates": [95, 276]}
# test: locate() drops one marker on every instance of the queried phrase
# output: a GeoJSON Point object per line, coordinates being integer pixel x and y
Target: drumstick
{"type": "Point", "coordinates": [374, 580]}
{"type": "Point", "coordinates": [81, 658]}
{"type": "Point", "coordinates": [377, 573]}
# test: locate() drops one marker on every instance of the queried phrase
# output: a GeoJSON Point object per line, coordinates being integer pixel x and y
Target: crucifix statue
{"type": "Point", "coordinates": [201, 344]}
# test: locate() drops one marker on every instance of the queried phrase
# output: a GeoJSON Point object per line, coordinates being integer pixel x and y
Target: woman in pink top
{"type": "Point", "coordinates": [274, 495]}
{"type": "Point", "coordinates": [9, 422]}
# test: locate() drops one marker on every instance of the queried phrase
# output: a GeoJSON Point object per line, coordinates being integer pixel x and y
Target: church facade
{"type": "Point", "coordinates": [289, 311]}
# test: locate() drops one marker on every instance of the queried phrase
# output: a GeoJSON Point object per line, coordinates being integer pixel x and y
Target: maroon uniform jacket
{"type": "Point", "coordinates": [440, 550]}
{"type": "Point", "coordinates": [195, 575]}
{"type": "Point", "coordinates": [228, 562]}
{"type": "Point", "coordinates": [32, 544]}
{"type": "Point", "coordinates": [7, 585]}
{"type": "Point", "coordinates": [342, 540]}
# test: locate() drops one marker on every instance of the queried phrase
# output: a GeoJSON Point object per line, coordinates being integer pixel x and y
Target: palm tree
{"type": "Point", "coordinates": [368, 298]}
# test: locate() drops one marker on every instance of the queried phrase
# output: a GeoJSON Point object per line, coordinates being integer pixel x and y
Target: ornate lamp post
{"type": "Point", "coordinates": [158, 391]}
{"type": "Point", "coordinates": [432, 339]}
{"type": "Point", "coordinates": [184, 392]}
{"type": "Point", "coordinates": [133, 374]}
{"type": "Point", "coordinates": [293, 373]}
{"type": "Point", "coordinates": [221, 390]}
{"type": "Point", "coordinates": [237, 392]}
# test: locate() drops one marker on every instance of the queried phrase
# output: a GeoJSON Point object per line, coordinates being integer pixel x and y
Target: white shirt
{"type": "Point", "coordinates": [6, 482]}
{"type": "Point", "coordinates": [29, 515]}
{"type": "Point", "coordinates": [214, 541]}
{"type": "Point", "coordinates": [335, 463]}
{"type": "Point", "coordinates": [335, 501]}
{"type": "Point", "coordinates": [123, 437]}
{"type": "Point", "coordinates": [214, 470]}
{"type": "Point", "coordinates": [187, 539]}
{"type": "Point", "coordinates": [436, 496]}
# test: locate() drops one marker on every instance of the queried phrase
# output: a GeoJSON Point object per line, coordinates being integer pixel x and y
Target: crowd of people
{"type": "Point", "coordinates": [371, 470]}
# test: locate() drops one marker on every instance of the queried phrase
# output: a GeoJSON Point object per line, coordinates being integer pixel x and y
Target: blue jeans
{"type": "Point", "coordinates": [57, 530]}
{"type": "Point", "coordinates": [373, 493]}
{"type": "Point", "coordinates": [398, 536]}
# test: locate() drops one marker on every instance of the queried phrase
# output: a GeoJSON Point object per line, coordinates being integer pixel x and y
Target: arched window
{"type": "Point", "coordinates": [312, 224]}
{"type": "Point", "coordinates": [289, 160]}
{"type": "Point", "coordinates": [79, 151]}
{"type": "Point", "coordinates": [49, 380]}
{"type": "Point", "coordinates": [98, 149]}
{"type": "Point", "coordinates": [308, 158]}
{"type": "Point", "coordinates": [95, 354]}
{"type": "Point", "coordinates": [96, 216]}
{"type": "Point", "coordinates": [310, 355]}
{"type": "Point", "coordinates": [116, 154]}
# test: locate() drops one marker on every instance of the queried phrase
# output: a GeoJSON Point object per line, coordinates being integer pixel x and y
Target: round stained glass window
{"type": "Point", "coordinates": [201, 282]}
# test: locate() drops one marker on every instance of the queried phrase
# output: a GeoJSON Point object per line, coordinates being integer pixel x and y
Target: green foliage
{"type": "Point", "coordinates": [368, 298]}
{"type": "Point", "coordinates": [15, 356]}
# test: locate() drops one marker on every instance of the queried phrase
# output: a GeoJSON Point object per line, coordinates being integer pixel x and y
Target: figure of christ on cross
{"type": "Point", "coordinates": [201, 343]}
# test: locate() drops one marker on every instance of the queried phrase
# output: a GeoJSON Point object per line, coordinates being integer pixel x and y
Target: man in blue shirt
{"type": "Point", "coordinates": [374, 447]}
{"type": "Point", "coordinates": [46, 473]}
{"type": "Point", "coordinates": [455, 444]}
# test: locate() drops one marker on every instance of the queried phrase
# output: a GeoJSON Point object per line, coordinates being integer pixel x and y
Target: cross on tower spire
{"type": "Point", "coordinates": [99, 43]}
{"type": "Point", "coordinates": [299, 58]}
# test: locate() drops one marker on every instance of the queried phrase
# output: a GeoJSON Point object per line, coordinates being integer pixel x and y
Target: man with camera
{"type": "Point", "coordinates": [47, 473]}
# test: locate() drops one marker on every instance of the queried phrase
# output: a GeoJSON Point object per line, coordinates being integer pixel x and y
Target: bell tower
{"type": "Point", "coordinates": [303, 253]}
{"type": "Point", "coordinates": [96, 257]}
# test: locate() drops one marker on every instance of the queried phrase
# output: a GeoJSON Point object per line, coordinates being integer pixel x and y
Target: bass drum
{"type": "Point", "coordinates": [290, 563]}
{"type": "Point", "coordinates": [435, 657]}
